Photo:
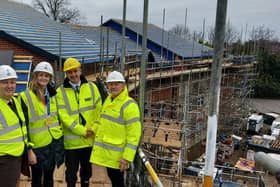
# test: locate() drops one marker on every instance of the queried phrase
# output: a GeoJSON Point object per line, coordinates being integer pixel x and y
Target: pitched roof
{"type": "Point", "coordinates": [115, 39]}
{"type": "Point", "coordinates": [26, 25]}
{"type": "Point", "coordinates": [174, 43]}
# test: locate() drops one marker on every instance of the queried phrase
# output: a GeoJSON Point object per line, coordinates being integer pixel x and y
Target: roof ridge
{"type": "Point", "coordinates": [19, 3]}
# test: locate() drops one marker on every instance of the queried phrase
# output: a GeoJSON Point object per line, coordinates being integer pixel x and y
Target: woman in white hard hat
{"type": "Point", "coordinates": [12, 129]}
{"type": "Point", "coordinates": [119, 131]}
{"type": "Point", "coordinates": [43, 126]}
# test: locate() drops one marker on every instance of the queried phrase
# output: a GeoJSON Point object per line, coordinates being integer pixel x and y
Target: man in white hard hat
{"type": "Point", "coordinates": [119, 131]}
{"type": "Point", "coordinates": [13, 129]}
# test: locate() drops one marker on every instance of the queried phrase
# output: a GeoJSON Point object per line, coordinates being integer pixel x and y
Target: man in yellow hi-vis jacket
{"type": "Point", "coordinates": [119, 130]}
{"type": "Point", "coordinates": [13, 133]}
{"type": "Point", "coordinates": [79, 105]}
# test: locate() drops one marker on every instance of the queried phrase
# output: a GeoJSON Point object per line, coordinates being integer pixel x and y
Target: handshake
{"type": "Point", "coordinates": [89, 133]}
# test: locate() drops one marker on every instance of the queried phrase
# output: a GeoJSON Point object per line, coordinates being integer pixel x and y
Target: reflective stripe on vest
{"type": "Point", "coordinates": [72, 137]}
{"type": "Point", "coordinates": [18, 139]}
{"type": "Point", "coordinates": [120, 120]}
{"type": "Point", "coordinates": [72, 126]}
{"type": "Point", "coordinates": [7, 128]}
{"type": "Point", "coordinates": [131, 146]}
{"type": "Point", "coordinates": [109, 147]}
{"type": "Point", "coordinates": [113, 148]}
{"type": "Point", "coordinates": [79, 110]}
{"type": "Point", "coordinates": [36, 117]}
{"type": "Point", "coordinates": [3, 120]}
{"type": "Point", "coordinates": [36, 130]}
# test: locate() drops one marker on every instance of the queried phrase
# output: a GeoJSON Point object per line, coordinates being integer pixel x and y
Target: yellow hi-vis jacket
{"type": "Point", "coordinates": [13, 136]}
{"type": "Point", "coordinates": [119, 131]}
{"type": "Point", "coordinates": [42, 128]}
{"type": "Point", "coordinates": [77, 112]}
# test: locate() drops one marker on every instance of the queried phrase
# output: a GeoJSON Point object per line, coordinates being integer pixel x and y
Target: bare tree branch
{"type": "Point", "coordinates": [41, 7]}
{"type": "Point", "coordinates": [262, 33]}
{"type": "Point", "coordinates": [231, 34]}
{"type": "Point", "coordinates": [180, 30]}
{"type": "Point", "coordinates": [58, 10]}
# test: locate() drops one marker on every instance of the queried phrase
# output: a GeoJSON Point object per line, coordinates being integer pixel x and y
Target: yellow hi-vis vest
{"type": "Point", "coordinates": [119, 131]}
{"type": "Point", "coordinates": [71, 106]}
{"type": "Point", "coordinates": [12, 136]}
{"type": "Point", "coordinates": [42, 128]}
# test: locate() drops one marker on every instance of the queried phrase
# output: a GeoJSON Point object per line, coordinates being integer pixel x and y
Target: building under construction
{"type": "Point", "coordinates": [176, 105]}
{"type": "Point", "coordinates": [177, 81]}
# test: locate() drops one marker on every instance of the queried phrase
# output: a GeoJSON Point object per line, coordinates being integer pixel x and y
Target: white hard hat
{"type": "Point", "coordinates": [7, 72]}
{"type": "Point", "coordinates": [115, 76]}
{"type": "Point", "coordinates": [44, 67]}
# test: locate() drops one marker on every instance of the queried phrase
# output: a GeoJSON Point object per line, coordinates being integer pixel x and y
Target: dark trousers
{"type": "Point", "coordinates": [9, 170]}
{"type": "Point", "coordinates": [116, 177]}
{"type": "Point", "coordinates": [74, 158]}
{"type": "Point", "coordinates": [38, 172]}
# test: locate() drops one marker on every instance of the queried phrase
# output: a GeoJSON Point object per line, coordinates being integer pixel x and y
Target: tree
{"type": "Point", "coordinates": [263, 38]}
{"type": "Point", "coordinates": [268, 80]}
{"type": "Point", "coordinates": [58, 10]}
{"type": "Point", "coordinates": [198, 36]}
{"type": "Point", "coordinates": [231, 34]}
{"type": "Point", "coordinates": [181, 31]}
{"type": "Point", "coordinates": [262, 33]}
{"type": "Point", "coordinates": [185, 33]}
{"type": "Point", "coordinates": [211, 34]}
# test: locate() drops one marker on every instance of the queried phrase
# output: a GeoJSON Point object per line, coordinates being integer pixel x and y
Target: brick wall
{"type": "Point", "coordinates": [18, 50]}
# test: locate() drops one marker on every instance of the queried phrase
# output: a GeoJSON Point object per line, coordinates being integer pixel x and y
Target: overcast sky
{"type": "Point", "coordinates": [240, 12]}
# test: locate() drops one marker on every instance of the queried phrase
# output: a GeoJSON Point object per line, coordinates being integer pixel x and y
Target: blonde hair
{"type": "Point", "coordinates": [36, 88]}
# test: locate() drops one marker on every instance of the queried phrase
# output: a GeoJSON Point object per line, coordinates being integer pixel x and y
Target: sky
{"type": "Point", "coordinates": [240, 13]}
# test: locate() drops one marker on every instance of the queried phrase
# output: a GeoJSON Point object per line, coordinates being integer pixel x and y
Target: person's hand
{"type": "Point", "coordinates": [89, 133]}
{"type": "Point", "coordinates": [32, 159]}
{"type": "Point", "coordinates": [124, 164]}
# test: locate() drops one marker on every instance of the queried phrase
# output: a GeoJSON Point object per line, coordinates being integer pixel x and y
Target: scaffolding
{"type": "Point", "coordinates": [176, 105]}
{"type": "Point", "coordinates": [236, 92]}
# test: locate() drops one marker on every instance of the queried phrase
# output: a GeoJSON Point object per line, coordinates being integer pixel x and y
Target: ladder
{"type": "Point", "coordinates": [22, 66]}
